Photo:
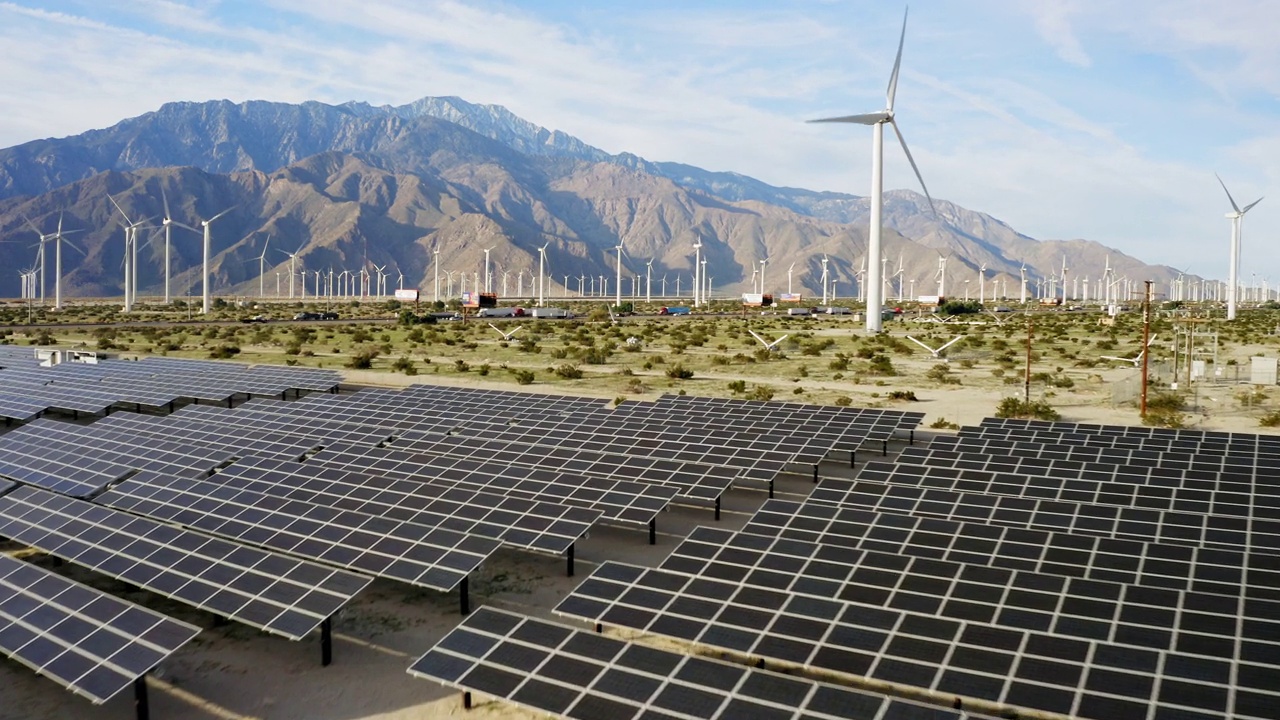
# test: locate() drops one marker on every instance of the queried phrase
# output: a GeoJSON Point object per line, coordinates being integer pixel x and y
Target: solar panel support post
{"type": "Point", "coordinates": [717, 507]}
{"type": "Point", "coordinates": [815, 472]}
{"type": "Point", "coordinates": [853, 456]}
{"type": "Point", "coordinates": [326, 642]}
{"type": "Point", "coordinates": [464, 596]}
{"type": "Point", "coordinates": [568, 556]}
{"type": "Point", "coordinates": [466, 700]}
{"type": "Point", "coordinates": [653, 531]}
{"type": "Point", "coordinates": [770, 488]}
{"type": "Point", "coordinates": [140, 703]}
{"type": "Point", "coordinates": [884, 450]}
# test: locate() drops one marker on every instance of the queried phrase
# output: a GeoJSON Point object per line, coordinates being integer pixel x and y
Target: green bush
{"type": "Point", "coordinates": [362, 360]}
{"type": "Point", "coordinates": [761, 392]}
{"type": "Point", "coordinates": [679, 372]}
{"type": "Point", "coordinates": [843, 401]}
{"type": "Point", "coordinates": [523, 377]}
{"type": "Point", "coordinates": [224, 352]}
{"type": "Point", "coordinates": [1015, 407]}
{"type": "Point", "coordinates": [569, 372]}
{"type": "Point", "coordinates": [1271, 419]}
{"type": "Point", "coordinates": [737, 386]}
{"type": "Point", "coordinates": [907, 395]}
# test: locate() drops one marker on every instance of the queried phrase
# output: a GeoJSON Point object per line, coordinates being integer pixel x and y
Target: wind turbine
{"type": "Point", "coordinates": [542, 272]}
{"type": "Point", "coordinates": [1136, 358]}
{"type": "Point", "coordinates": [877, 121]}
{"type": "Point", "coordinates": [982, 283]}
{"type": "Point", "coordinates": [506, 336]}
{"type": "Point", "coordinates": [1022, 291]}
{"type": "Point", "coordinates": [437, 264]}
{"type": "Point", "coordinates": [824, 279]}
{"type": "Point", "coordinates": [899, 275]}
{"type": "Point", "coordinates": [165, 223]}
{"type": "Point", "coordinates": [208, 245]}
{"type": "Point", "coordinates": [1064, 280]}
{"type": "Point", "coordinates": [262, 264]}
{"type": "Point", "coordinates": [942, 277]}
{"type": "Point", "coordinates": [130, 255]}
{"type": "Point", "coordinates": [382, 279]}
{"type": "Point", "coordinates": [937, 354]}
{"type": "Point", "coordinates": [648, 281]}
{"type": "Point", "coordinates": [57, 254]}
{"type": "Point", "coordinates": [697, 259]}
{"type": "Point", "coordinates": [1236, 216]}
{"type": "Point", "coordinates": [488, 275]}
{"type": "Point", "coordinates": [768, 346]}
{"type": "Point", "coordinates": [293, 256]}
{"type": "Point", "coordinates": [618, 299]}
{"type": "Point", "coordinates": [762, 264]}
{"type": "Point", "coordinates": [793, 267]}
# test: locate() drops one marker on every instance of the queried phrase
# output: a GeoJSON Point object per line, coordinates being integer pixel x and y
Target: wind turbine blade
{"type": "Point", "coordinates": [184, 226]}
{"type": "Point", "coordinates": [70, 232]}
{"type": "Point", "coordinates": [867, 119]}
{"type": "Point", "coordinates": [951, 342]}
{"type": "Point", "coordinates": [122, 212]}
{"type": "Point", "coordinates": [757, 337]}
{"type": "Point", "coordinates": [897, 63]}
{"type": "Point", "coordinates": [224, 212]}
{"type": "Point", "coordinates": [33, 226]}
{"type": "Point", "coordinates": [165, 197]}
{"type": "Point", "coordinates": [926, 347]}
{"type": "Point", "coordinates": [1234, 206]}
{"type": "Point", "coordinates": [912, 160]}
{"type": "Point", "coordinates": [1249, 207]}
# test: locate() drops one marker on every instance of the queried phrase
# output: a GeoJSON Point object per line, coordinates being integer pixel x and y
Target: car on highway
{"type": "Point", "coordinates": [255, 319]}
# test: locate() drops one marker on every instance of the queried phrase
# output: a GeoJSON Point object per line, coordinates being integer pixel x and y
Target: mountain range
{"type": "Point", "coordinates": [356, 186]}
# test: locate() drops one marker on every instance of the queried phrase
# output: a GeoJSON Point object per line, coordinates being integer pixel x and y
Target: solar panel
{"type": "Point", "coordinates": [1086, 609]}
{"type": "Point", "coordinates": [1178, 567]}
{"type": "Point", "coordinates": [532, 525]}
{"type": "Point", "coordinates": [1178, 528]}
{"type": "Point", "coordinates": [19, 408]}
{"type": "Point", "coordinates": [238, 440]}
{"type": "Point", "coordinates": [278, 594]}
{"type": "Point", "coordinates": [1028, 669]}
{"type": "Point", "coordinates": [89, 642]}
{"type": "Point", "coordinates": [573, 673]}
{"type": "Point", "coordinates": [1257, 467]}
{"type": "Point", "coordinates": [126, 449]}
{"type": "Point", "coordinates": [1147, 443]}
{"type": "Point", "coordinates": [1240, 500]}
{"type": "Point", "coordinates": [621, 501]}
{"type": "Point", "coordinates": [70, 470]}
{"type": "Point", "coordinates": [436, 558]}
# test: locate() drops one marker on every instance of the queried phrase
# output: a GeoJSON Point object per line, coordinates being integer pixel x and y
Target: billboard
{"type": "Point", "coordinates": [470, 300]}
{"type": "Point", "coordinates": [756, 300]}
{"type": "Point", "coordinates": [789, 297]}
{"type": "Point", "coordinates": [407, 295]}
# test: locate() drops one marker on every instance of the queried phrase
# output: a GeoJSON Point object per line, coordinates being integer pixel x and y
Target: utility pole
{"type": "Point", "coordinates": [1146, 340]}
{"type": "Point", "coordinates": [1026, 382]}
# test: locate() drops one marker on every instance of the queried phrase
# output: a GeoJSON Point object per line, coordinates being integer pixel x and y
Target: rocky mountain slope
{"type": "Point", "coordinates": [355, 186]}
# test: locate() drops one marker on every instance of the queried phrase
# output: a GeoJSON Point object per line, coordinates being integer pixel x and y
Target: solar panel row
{"type": "Point", "coordinates": [87, 641]}
{"type": "Point", "coordinates": [268, 591]}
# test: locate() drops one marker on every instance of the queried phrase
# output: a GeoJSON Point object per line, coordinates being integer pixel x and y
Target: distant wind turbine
{"type": "Point", "coordinates": [1136, 358]}
{"type": "Point", "coordinates": [1236, 216]}
{"type": "Point", "coordinates": [207, 225]}
{"type": "Point", "coordinates": [877, 121]}
{"type": "Point", "coordinates": [506, 336]}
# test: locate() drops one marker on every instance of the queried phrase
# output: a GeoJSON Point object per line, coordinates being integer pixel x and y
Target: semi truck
{"type": "Point", "coordinates": [673, 311]}
{"type": "Point", "coordinates": [553, 313]}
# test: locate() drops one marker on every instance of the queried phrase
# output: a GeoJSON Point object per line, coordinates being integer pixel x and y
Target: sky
{"type": "Point", "coordinates": [1064, 118]}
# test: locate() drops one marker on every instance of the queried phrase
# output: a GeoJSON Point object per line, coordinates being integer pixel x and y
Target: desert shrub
{"type": "Point", "coordinates": [461, 365]}
{"type": "Point", "coordinates": [880, 365]}
{"type": "Point", "coordinates": [943, 424]}
{"type": "Point", "coordinates": [843, 401]}
{"type": "Point", "coordinates": [568, 372]}
{"type": "Point", "coordinates": [224, 352]}
{"type": "Point", "coordinates": [523, 377]}
{"type": "Point", "coordinates": [737, 386]}
{"type": "Point", "coordinates": [761, 392]}
{"type": "Point", "coordinates": [679, 372]}
{"type": "Point", "coordinates": [404, 365]}
{"type": "Point", "coordinates": [907, 395]}
{"type": "Point", "coordinates": [1015, 407]}
{"type": "Point", "coordinates": [1271, 419]}
{"type": "Point", "coordinates": [362, 360]}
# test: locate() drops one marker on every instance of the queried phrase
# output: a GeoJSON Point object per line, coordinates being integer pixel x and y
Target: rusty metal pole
{"type": "Point", "coordinates": [1146, 339]}
{"type": "Point", "coordinates": [1026, 383]}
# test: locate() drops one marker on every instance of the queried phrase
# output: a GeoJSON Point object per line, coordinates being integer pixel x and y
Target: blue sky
{"type": "Point", "coordinates": [1066, 118]}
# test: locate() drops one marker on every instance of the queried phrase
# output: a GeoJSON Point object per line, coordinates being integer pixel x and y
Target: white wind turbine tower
{"type": "Point", "coordinates": [437, 264]}
{"type": "Point", "coordinates": [293, 257]}
{"type": "Point", "coordinates": [793, 267]}
{"type": "Point", "coordinates": [982, 283]}
{"type": "Point", "coordinates": [130, 255]}
{"type": "Point", "coordinates": [861, 277]}
{"type": "Point", "coordinates": [942, 277]}
{"type": "Point", "coordinates": [488, 275]}
{"type": "Point", "coordinates": [618, 289]}
{"type": "Point", "coordinates": [382, 279]}
{"type": "Point", "coordinates": [56, 237]}
{"type": "Point", "coordinates": [542, 273]}
{"type": "Point", "coordinates": [877, 121]}
{"type": "Point", "coordinates": [262, 264]}
{"type": "Point", "coordinates": [697, 259]}
{"type": "Point", "coordinates": [762, 264]}
{"type": "Point", "coordinates": [1064, 279]}
{"type": "Point", "coordinates": [648, 282]}
{"type": "Point", "coordinates": [824, 279]}
{"type": "Point", "coordinates": [165, 223]}
{"type": "Point", "coordinates": [400, 280]}
{"type": "Point", "coordinates": [900, 276]}
{"type": "Point", "coordinates": [208, 251]}
{"type": "Point", "coordinates": [1236, 216]}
